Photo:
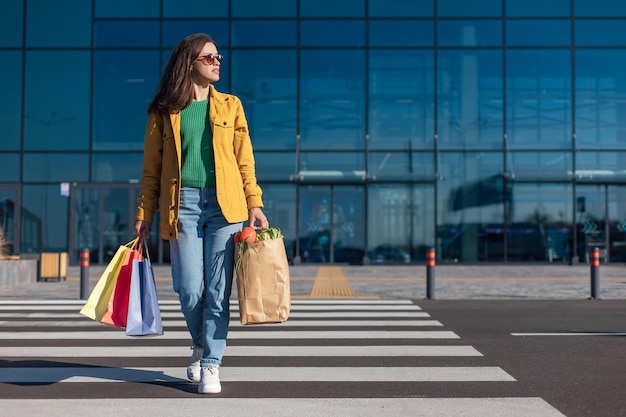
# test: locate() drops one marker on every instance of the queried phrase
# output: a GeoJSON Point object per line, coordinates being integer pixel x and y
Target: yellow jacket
{"type": "Point", "coordinates": [235, 181]}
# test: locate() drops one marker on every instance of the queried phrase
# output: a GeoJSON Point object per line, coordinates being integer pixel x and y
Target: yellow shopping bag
{"type": "Point", "coordinates": [98, 300]}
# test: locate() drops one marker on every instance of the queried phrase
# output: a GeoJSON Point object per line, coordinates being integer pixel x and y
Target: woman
{"type": "Point", "coordinates": [199, 173]}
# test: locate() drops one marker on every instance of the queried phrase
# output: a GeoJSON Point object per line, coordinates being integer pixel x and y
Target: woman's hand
{"type": "Point", "coordinates": [142, 228]}
{"type": "Point", "coordinates": [258, 219]}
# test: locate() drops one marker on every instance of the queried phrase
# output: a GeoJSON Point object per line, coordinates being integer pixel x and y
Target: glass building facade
{"type": "Point", "coordinates": [491, 130]}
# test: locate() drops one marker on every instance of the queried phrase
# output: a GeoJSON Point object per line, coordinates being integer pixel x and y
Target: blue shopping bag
{"type": "Point", "coordinates": [144, 316]}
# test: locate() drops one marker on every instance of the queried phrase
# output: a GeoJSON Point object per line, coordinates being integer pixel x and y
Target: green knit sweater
{"type": "Point", "coordinates": [198, 168]}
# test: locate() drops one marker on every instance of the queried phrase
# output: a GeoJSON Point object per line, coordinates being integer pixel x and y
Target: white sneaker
{"type": "Point", "coordinates": [193, 369]}
{"type": "Point", "coordinates": [209, 380]}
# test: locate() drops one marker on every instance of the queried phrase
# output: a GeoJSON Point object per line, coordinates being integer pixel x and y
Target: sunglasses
{"type": "Point", "coordinates": [209, 59]}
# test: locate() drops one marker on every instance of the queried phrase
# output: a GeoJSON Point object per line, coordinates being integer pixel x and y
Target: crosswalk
{"type": "Point", "coordinates": [331, 358]}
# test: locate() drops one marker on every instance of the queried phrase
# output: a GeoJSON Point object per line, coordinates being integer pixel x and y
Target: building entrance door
{"type": "Point", "coordinates": [332, 224]}
{"type": "Point", "coordinates": [593, 227]}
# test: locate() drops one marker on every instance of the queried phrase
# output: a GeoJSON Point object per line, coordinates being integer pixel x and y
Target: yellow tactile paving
{"type": "Point", "coordinates": [330, 282]}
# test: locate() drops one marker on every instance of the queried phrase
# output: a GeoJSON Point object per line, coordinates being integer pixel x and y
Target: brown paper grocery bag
{"type": "Point", "coordinates": [262, 274]}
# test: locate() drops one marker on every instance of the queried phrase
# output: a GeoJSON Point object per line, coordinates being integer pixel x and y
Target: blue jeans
{"type": "Point", "coordinates": [202, 270]}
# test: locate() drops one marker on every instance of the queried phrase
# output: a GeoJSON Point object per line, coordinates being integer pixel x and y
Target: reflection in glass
{"type": "Point", "coordinates": [617, 223]}
{"type": "Point", "coordinates": [539, 99]}
{"type": "Point", "coordinates": [117, 167]}
{"type": "Point", "coordinates": [402, 229]}
{"type": "Point", "coordinates": [264, 33]}
{"type": "Point", "coordinates": [44, 229]}
{"type": "Point", "coordinates": [124, 84]}
{"type": "Point", "coordinates": [471, 197]}
{"type": "Point", "coordinates": [538, 7]}
{"type": "Point", "coordinates": [540, 217]}
{"type": "Point", "coordinates": [601, 166]}
{"type": "Point", "coordinates": [332, 33]}
{"type": "Point", "coordinates": [401, 93]}
{"type": "Point", "coordinates": [336, 167]}
{"type": "Point", "coordinates": [11, 102]}
{"type": "Point", "coordinates": [600, 99]}
{"type": "Point", "coordinates": [539, 165]}
{"type": "Point", "coordinates": [390, 33]}
{"type": "Point", "coordinates": [273, 166]}
{"type": "Point", "coordinates": [538, 32]}
{"type": "Point", "coordinates": [470, 99]}
{"type": "Point", "coordinates": [53, 167]}
{"type": "Point", "coordinates": [280, 208]}
{"type": "Point", "coordinates": [469, 33]}
{"type": "Point", "coordinates": [332, 99]}
{"type": "Point", "coordinates": [268, 94]}
{"type": "Point", "coordinates": [58, 119]}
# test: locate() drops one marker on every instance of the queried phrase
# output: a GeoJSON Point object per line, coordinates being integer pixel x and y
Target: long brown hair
{"type": "Point", "coordinates": [175, 90]}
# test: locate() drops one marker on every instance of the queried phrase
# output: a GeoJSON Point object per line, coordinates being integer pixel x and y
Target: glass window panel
{"type": "Point", "coordinates": [43, 229]}
{"type": "Point", "coordinates": [401, 165]}
{"type": "Point", "coordinates": [403, 227]}
{"type": "Point", "coordinates": [58, 119]}
{"type": "Point", "coordinates": [332, 8]}
{"type": "Point", "coordinates": [12, 23]}
{"type": "Point", "coordinates": [539, 165]}
{"type": "Point", "coordinates": [268, 94]}
{"type": "Point", "coordinates": [599, 8]}
{"type": "Point", "coordinates": [125, 8]}
{"type": "Point", "coordinates": [540, 220]}
{"type": "Point", "coordinates": [401, 33]}
{"type": "Point", "coordinates": [117, 167]}
{"type": "Point", "coordinates": [336, 166]}
{"type": "Point", "coordinates": [11, 102]}
{"type": "Point", "coordinates": [539, 99]}
{"type": "Point", "coordinates": [10, 167]}
{"type": "Point", "coordinates": [469, 8]}
{"type": "Point", "coordinates": [110, 33]}
{"type": "Point", "coordinates": [264, 33]}
{"type": "Point", "coordinates": [423, 165]}
{"type": "Point", "coordinates": [175, 31]}
{"type": "Point", "coordinates": [332, 99]}
{"type": "Point", "coordinates": [332, 33]}
{"type": "Point", "coordinates": [400, 8]}
{"type": "Point", "coordinates": [195, 8]}
{"type": "Point", "coordinates": [401, 97]}
{"type": "Point", "coordinates": [68, 23]}
{"type": "Point", "coordinates": [538, 8]}
{"type": "Point", "coordinates": [613, 32]}
{"type": "Point", "coordinates": [470, 202]}
{"type": "Point", "coordinates": [272, 166]}
{"type": "Point", "coordinates": [600, 166]}
{"type": "Point", "coordinates": [617, 223]}
{"type": "Point", "coordinates": [470, 112]}
{"type": "Point", "coordinates": [266, 8]}
{"type": "Point", "coordinates": [469, 33]}
{"type": "Point", "coordinates": [600, 99]}
{"type": "Point", "coordinates": [124, 84]}
{"type": "Point", "coordinates": [55, 167]}
{"type": "Point", "coordinates": [538, 32]}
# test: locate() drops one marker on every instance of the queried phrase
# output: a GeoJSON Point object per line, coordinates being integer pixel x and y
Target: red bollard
{"type": "Point", "coordinates": [594, 261]}
{"type": "Point", "coordinates": [85, 256]}
{"type": "Point", "coordinates": [430, 274]}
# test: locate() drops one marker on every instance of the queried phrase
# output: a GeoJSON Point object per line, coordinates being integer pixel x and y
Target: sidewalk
{"type": "Point", "coordinates": [458, 282]}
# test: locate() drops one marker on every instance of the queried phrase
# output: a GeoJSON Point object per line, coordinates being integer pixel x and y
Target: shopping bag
{"type": "Point", "coordinates": [98, 300]}
{"type": "Point", "coordinates": [144, 316]}
{"type": "Point", "coordinates": [117, 309]}
{"type": "Point", "coordinates": [262, 274]}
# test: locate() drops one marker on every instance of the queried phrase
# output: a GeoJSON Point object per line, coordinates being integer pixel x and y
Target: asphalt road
{"type": "Point", "coordinates": [332, 358]}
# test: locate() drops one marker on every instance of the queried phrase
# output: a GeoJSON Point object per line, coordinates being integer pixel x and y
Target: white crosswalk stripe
{"type": "Point", "coordinates": [346, 345]}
